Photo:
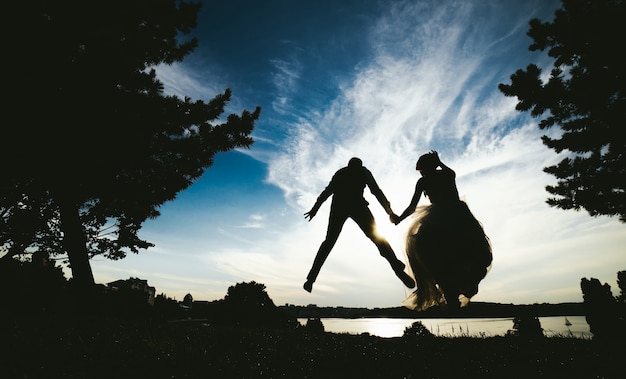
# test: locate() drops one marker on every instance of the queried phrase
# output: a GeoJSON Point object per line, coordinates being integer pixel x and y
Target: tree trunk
{"type": "Point", "coordinates": [75, 244]}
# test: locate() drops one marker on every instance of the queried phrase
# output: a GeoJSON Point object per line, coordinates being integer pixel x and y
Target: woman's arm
{"type": "Point", "coordinates": [413, 204]}
{"type": "Point", "coordinates": [443, 166]}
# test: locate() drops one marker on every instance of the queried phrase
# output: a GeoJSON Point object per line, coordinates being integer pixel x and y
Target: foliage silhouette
{"type": "Point", "coordinates": [605, 315]}
{"type": "Point", "coordinates": [621, 283]}
{"type": "Point", "coordinates": [32, 289]}
{"type": "Point", "coordinates": [124, 304]}
{"type": "Point", "coordinates": [105, 147]}
{"type": "Point", "coordinates": [585, 96]}
{"type": "Point", "coordinates": [166, 308]}
{"type": "Point", "coordinates": [247, 304]}
{"type": "Point", "coordinates": [192, 350]}
{"type": "Point", "coordinates": [526, 326]}
{"type": "Point", "coordinates": [314, 325]}
{"type": "Point", "coordinates": [417, 330]}
{"type": "Point", "coordinates": [38, 290]}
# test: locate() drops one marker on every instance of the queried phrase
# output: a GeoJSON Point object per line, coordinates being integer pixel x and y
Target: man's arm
{"type": "Point", "coordinates": [377, 192]}
{"type": "Point", "coordinates": [320, 200]}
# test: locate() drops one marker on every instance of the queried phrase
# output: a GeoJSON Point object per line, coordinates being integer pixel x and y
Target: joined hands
{"type": "Point", "coordinates": [394, 218]}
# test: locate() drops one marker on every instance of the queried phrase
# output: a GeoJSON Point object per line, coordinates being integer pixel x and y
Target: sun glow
{"type": "Point", "coordinates": [394, 234]}
{"type": "Point", "coordinates": [386, 327]}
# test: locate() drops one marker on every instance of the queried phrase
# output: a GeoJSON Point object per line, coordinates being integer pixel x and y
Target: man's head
{"type": "Point", "coordinates": [355, 162]}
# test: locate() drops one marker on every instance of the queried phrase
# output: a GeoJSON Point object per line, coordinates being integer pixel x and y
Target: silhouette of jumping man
{"type": "Point", "coordinates": [346, 187]}
{"type": "Point", "coordinates": [448, 251]}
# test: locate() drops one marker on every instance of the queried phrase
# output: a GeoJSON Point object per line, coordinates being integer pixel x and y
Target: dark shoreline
{"type": "Point", "coordinates": [111, 349]}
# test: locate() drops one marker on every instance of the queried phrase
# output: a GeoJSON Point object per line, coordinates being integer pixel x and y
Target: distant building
{"type": "Point", "coordinates": [134, 284]}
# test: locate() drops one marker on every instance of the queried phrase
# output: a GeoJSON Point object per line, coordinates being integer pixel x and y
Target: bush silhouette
{"type": "Point", "coordinates": [604, 313]}
{"type": "Point", "coordinates": [247, 304]}
{"type": "Point", "coordinates": [417, 329]}
{"type": "Point", "coordinates": [36, 288]}
{"type": "Point", "coordinates": [314, 325]}
{"type": "Point", "coordinates": [526, 326]}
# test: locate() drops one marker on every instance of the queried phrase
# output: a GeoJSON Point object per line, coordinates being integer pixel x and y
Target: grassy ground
{"type": "Point", "coordinates": [97, 349]}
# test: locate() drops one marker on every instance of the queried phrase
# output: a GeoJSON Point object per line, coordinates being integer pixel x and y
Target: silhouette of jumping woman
{"type": "Point", "coordinates": [449, 253]}
{"type": "Point", "coordinates": [346, 187]}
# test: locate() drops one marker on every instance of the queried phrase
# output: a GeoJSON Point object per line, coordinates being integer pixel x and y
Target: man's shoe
{"type": "Point", "coordinates": [406, 279]}
{"type": "Point", "coordinates": [308, 286]}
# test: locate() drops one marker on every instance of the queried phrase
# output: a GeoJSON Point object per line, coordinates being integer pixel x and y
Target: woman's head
{"type": "Point", "coordinates": [427, 162]}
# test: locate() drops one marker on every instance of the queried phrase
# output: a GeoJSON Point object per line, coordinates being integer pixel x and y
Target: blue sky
{"type": "Point", "coordinates": [385, 81]}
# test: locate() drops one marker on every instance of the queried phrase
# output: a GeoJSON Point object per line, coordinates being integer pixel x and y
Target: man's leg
{"type": "Point", "coordinates": [366, 222]}
{"type": "Point", "coordinates": [335, 224]}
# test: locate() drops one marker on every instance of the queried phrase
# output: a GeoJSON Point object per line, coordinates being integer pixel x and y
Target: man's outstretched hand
{"type": "Point", "coordinates": [310, 214]}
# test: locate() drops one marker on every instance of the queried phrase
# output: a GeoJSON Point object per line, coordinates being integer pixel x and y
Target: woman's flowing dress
{"type": "Point", "coordinates": [449, 254]}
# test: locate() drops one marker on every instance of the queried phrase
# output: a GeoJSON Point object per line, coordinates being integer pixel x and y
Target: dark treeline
{"type": "Point", "coordinates": [474, 310]}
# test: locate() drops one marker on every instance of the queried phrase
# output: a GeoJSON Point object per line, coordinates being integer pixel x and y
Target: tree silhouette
{"type": "Point", "coordinates": [248, 304]}
{"type": "Point", "coordinates": [417, 330]}
{"type": "Point", "coordinates": [249, 295]}
{"type": "Point", "coordinates": [96, 146]}
{"type": "Point", "coordinates": [604, 313]}
{"type": "Point", "coordinates": [585, 96]}
{"type": "Point", "coordinates": [314, 325]}
{"type": "Point", "coordinates": [621, 284]}
{"type": "Point", "coordinates": [34, 288]}
{"type": "Point", "coordinates": [526, 326]}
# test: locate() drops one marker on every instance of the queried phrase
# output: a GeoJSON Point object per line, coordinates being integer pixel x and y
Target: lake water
{"type": "Point", "coordinates": [453, 327]}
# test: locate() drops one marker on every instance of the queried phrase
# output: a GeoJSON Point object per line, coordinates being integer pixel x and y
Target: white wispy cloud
{"type": "Point", "coordinates": [180, 81]}
{"type": "Point", "coordinates": [285, 79]}
{"type": "Point", "coordinates": [431, 83]}
{"type": "Point", "coordinates": [396, 107]}
{"type": "Point", "coordinates": [434, 89]}
{"type": "Point", "coordinates": [255, 221]}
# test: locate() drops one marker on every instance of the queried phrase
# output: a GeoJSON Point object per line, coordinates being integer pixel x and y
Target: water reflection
{"type": "Point", "coordinates": [454, 327]}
